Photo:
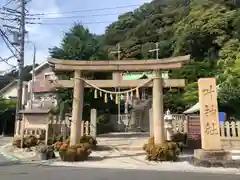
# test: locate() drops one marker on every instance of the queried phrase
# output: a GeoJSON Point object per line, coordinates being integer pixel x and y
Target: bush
{"type": "Point", "coordinates": [58, 145]}
{"type": "Point", "coordinates": [86, 139]}
{"type": "Point", "coordinates": [168, 151]}
{"type": "Point", "coordinates": [180, 139]}
{"type": "Point", "coordinates": [28, 141]}
{"type": "Point", "coordinates": [78, 152]}
{"type": "Point", "coordinates": [68, 140]}
{"type": "Point", "coordinates": [90, 140]}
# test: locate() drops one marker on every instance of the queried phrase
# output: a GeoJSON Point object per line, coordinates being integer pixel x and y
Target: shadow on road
{"type": "Point", "coordinates": [98, 158]}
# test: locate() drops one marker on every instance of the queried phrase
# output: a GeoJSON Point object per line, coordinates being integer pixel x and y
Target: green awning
{"type": "Point", "coordinates": [136, 75]}
{"type": "Point", "coordinates": [141, 75]}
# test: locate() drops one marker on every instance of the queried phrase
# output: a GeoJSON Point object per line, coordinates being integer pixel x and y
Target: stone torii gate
{"type": "Point", "coordinates": [157, 83]}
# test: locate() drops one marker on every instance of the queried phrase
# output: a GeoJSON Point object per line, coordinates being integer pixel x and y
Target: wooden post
{"type": "Point", "coordinates": [78, 95]}
{"type": "Point", "coordinates": [157, 107]}
{"type": "Point", "coordinates": [151, 130]}
{"type": "Point", "coordinates": [93, 123]}
{"type": "Point", "coordinates": [185, 124]}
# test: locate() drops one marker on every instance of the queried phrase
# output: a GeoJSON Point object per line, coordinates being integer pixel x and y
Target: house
{"type": "Point", "coordinates": [37, 113]}
{"type": "Point", "coordinates": [43, 89]}
{"type": "Point", "coordinates": [10, 91]}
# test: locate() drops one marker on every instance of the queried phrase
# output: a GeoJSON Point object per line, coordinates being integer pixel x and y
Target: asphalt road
{"type": "Point", "coordinates": [37, 172]}
{"type": "Point", "coordinates": [3, 141]}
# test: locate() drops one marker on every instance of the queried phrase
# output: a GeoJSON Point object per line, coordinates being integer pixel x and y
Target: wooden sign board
{"type": "Point", "coordinates": [210, 131]}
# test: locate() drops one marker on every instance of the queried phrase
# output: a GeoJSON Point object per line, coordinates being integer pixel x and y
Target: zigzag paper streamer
{"type": "Point", "coordinates": [105, 98]}
{"type": "Point", "coordinates": [95, 94]}
{"type": "Point", "coordinates": [116, 99]}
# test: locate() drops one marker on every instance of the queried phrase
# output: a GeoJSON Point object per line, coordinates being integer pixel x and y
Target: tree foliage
{"type": "Point", "coordinates": [6, 104]}
{"type": "Point", "coordinates": [208, 30]}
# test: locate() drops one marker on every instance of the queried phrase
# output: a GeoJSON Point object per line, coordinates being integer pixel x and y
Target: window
{"type": "Point", "coordinates": [50, 76]}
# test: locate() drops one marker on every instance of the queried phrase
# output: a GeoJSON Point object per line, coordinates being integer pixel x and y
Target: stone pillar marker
{"type": "Point", "coordinates": [93, 123]}
{"type": "Point", "coordinates": [157, 108]}
{"type": "Point", "coordinates": [77, 108]}
{"type": "Point", "coordinates": [210, 129]}
{"type": "Point", "coordinates": [211, 151]}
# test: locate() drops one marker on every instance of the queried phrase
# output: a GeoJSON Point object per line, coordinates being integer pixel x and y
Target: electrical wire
{"type": "Point", "coordinates": [8, 2]}
{"type": "Point", "coordinates": [7, 42]}
{"type": "Point", "coordinates": [70, 17]}
{"type": "Point", "coordinates": [84, 23]}
{"type": "Point", "coordinates": [6, 61]}
{"type": "Point", "coordinates": [86, 10]}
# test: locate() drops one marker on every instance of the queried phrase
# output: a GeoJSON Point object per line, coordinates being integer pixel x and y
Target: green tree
{"type": "Point", "coordinates": [78, 44]}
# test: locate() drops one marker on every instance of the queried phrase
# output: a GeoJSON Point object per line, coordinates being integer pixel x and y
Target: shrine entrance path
{"type": "Point", "coordinates": [123, 140]}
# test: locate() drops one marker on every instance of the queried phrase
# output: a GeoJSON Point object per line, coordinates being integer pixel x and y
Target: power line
{"type": "Point", "coordinates": [70, 17]}
{"type": "Point", "coordinates": [6, 61]}
{"type": "Point", "coordinates": [52, 24]}
{"type": "Point", "coordinates": [18, 31]}
{"type": "Point", "coordinates": [7, 42]}
{"type": "Point", "coordinates": [86, 10]}
{"type": "Point", "coordinates": [9, 2]}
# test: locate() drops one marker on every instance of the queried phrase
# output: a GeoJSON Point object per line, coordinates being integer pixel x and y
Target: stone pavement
{"type": "Point", "coordinates": [124, 141]}
{"type": "Point", "coordinates": [116, 159]}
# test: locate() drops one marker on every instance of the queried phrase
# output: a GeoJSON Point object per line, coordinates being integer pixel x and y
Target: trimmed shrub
{"type": "Point", "coordinates": [90, 140]}
{"type": "Point", "coordinates": [168, 151]}
{"type": "Point", "coordinates": [86, 139]}
{"type": "Point", "coordinates": [78, 152]}
{"type": "Point", "coordinates": [68, 140]}
{"type": "Point", "coordinates": [28, 141]}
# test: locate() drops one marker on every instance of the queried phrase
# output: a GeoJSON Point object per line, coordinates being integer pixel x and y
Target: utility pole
{"type": "Point", "coordinates": [33, 73]}
{"type": "Point", "coordinates": [118, 52]}
{"type": "Point", "coordinates": [21, 60]}
{"type": "Point", "coordinates": [164, 73]}
{"type": "Point", "coordinates": [156, 50]}
{"type": "Point", "coordinates": [21, 67]}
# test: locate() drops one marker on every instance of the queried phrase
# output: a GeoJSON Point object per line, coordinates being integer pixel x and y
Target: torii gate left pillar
{"type": "Point", "coordinates": [77, 108]}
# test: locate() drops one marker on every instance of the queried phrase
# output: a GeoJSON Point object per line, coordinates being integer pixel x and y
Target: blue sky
{"type": "Point", "coordinates": [54, 23]}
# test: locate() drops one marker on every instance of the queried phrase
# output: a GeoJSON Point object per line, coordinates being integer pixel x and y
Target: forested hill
{"type": "Point", "coordinates": [208, 30]}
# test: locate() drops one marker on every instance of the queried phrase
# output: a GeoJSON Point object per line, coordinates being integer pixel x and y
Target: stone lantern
{"type": "Point", "coordinates": [168, 125]}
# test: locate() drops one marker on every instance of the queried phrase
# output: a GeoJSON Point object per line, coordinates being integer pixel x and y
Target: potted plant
{"type": "Point", "coordinates": [46, 152]}
{"type": "Point", "coordinates": [42, 151]}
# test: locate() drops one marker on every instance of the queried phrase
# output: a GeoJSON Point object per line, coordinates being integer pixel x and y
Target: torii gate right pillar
{"type": "Point", "coordinates": [157, 107]}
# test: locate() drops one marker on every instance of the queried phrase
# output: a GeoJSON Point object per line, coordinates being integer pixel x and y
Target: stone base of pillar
{"type": "Point", "coordinates": [214, 158]}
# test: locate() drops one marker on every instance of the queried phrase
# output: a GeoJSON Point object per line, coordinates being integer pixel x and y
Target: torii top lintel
{"type": "Point", "coordinates": [122, 65]}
